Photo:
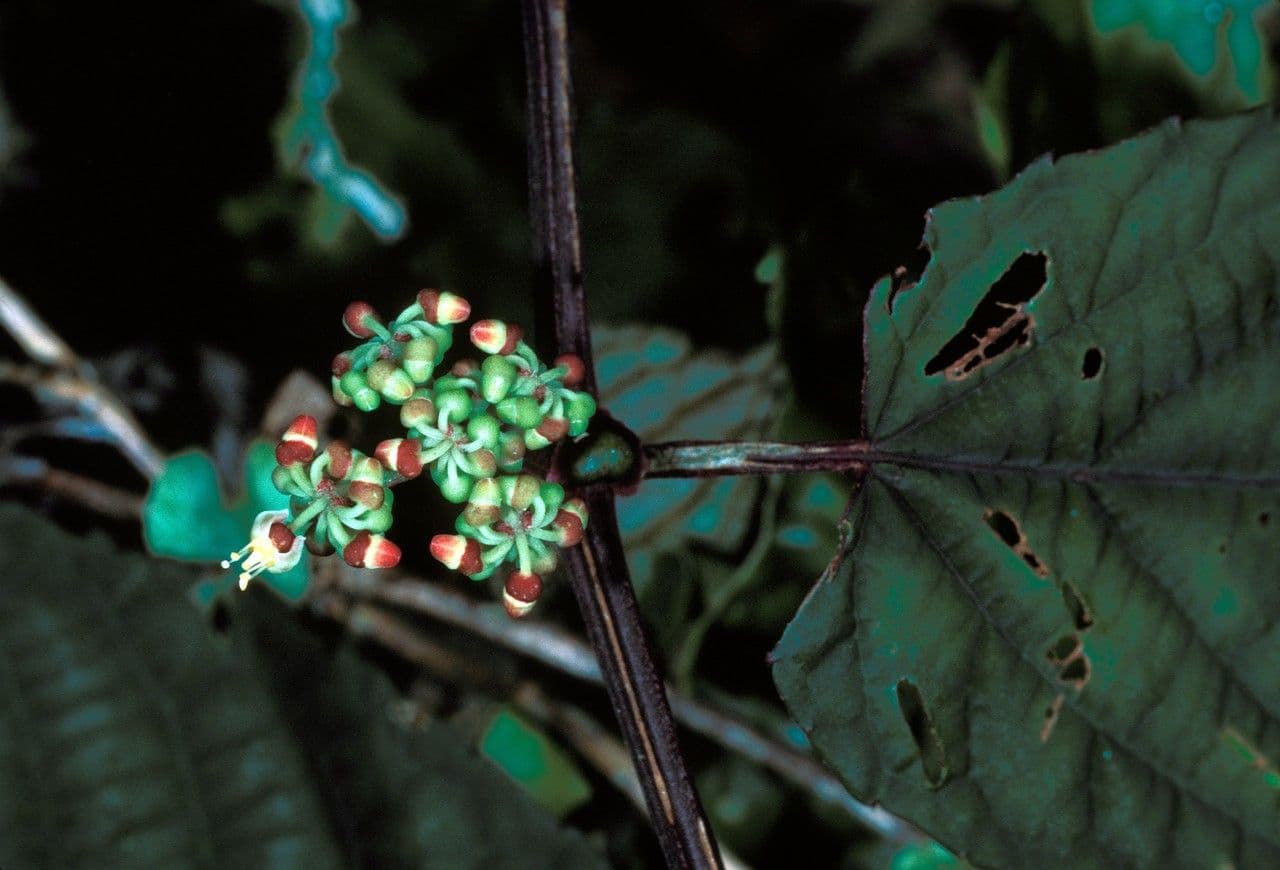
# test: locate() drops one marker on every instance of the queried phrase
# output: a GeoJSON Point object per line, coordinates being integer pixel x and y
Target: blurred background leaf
{"type": "Point", "coordinates": [132, 736]}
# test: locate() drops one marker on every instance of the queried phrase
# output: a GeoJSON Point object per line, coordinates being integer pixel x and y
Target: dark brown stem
{"type": "Point", "coordinates": [720, 458]}
{"type": "Point", "coordinates": [597, 567]}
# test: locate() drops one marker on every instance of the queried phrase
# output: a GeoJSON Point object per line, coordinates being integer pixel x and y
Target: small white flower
{"type": "Point", "coordinates": [272, 547]}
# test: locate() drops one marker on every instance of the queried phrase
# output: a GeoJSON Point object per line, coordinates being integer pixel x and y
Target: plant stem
{"type": "Point", "coordinates": [597, 567]}
{"type": "Point", "coordinates": [720, 458]}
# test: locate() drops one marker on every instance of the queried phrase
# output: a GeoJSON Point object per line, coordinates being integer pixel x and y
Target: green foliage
{"type": "Point", "coordinates": [187, 517]}
{"type": "Point", "coordinates": [651, 380]}
{"type": "Point", "coordinates": [132, 737]}
{"type": "Point", "coordinates": [531, 759]}
{"type": "Point", "coordinates": [1048, 636]}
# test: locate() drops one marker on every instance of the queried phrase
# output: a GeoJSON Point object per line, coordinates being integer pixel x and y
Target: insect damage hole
{"type": "Point", "coordinates": [1068, 657]}
{"type": "Point", "coordinates": [1008, 530]}
{"type": "Point", "coordinates": [1091, 365]}
{"type": "Point", "coordinates": [999, 324]}
{"type": "Point", "coordinates": [933, 756]}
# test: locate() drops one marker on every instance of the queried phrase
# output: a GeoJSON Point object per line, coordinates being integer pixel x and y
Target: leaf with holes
{"type": "Point", "coordinates": [1051, 633]}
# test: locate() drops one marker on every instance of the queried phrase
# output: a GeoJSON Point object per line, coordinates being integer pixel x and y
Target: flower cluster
{"type": "Point", "coordinates": [469, 428]}
{"type": "Point", "coordinates": [338, 498]}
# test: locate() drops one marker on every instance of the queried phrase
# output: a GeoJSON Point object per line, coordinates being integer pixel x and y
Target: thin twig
{"type": "Point", "coordinates": [33, 472]}
{"type": "Point", "coordinates": [558, 649]}
{"type": "Point", "coordinates": [70, 380]}
{"type": "Point", "coordinates": [597, 567]}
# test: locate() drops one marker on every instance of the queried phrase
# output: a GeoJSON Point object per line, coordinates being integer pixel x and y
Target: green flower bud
{"type": "Point", "coordinates": [497, 376]}
{"type": "Point", "coordinates": [544, 559]}
{"type": "Point", "coordinates": [521, 411]}
{"type": "Point", "coordinates": [454, 404]}
{"type": "Point", "coordinates": [518, 491]}
{"type": "Point", "coordinates": [552, 496]}
{"type": "Point", "coordinates": [339, 397]}
{"type": "Point", "coordinates": [579, 409]}
{"type": "Point", "coordinates": [377, 520]}
{"type": "Point", "coordinates": [455, 489]}
{"type": "Point", "coordinates": [483, 463]}
{"type": "Point", "coordinates": [418, 412]}
{"type": "Point", "coordinates": [420, 359]}
{"type": "Point", "coordinates": [511, 451]}
{"type": "Point", "coordinates": [484, 505]}
{"type": "Point", "coordinates": [356, 386]}
{"type": "Point", "coordinates": [398, 388]}
{"type": "Point", "coordinates": [379, 371]}
{"type": "Point", "coordinates": [484, 429]}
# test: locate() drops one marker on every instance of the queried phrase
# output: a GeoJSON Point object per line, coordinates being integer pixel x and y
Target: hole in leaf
{"type": "Point", "coordinates": [1064, 648]}
{"type": "Point", "coordinates": [933, 756]}
{"type": "Point", "coordinates": [1092, 364]}
{"type": "Point", "coordinates": [999, 324]}
{"type": "Point", "coordinates": [1079, 611]}
{"type": "Point", "coordinates": [1067, 655]}
{"type": "Point", "coordinates": [1264, 518]}
{"type": "Point", "coordinates": [1006, 527]}
{"type": "Point", "coordinates": [1075, 671]}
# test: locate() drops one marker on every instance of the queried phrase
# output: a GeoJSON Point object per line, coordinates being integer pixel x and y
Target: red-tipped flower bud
{"type": "Point", "coordinates": [401, 456]}
{"type": "Point", "coordinates": [443, 308]}
{"type": "Point", "coordinates": [371, 551]}
{"type": "Point", "coordinates": [357, 318]}
{"type": "Point", "coordinates": [520, 593]}
{"type": "Point", "coordinates": [495, 336]}
{"type": "Point", "coordinates": [568, 527]}
{"type": "Point", "coordinates": [575, 371]}
{"type": "Point", "coordinates": [464, 368]}
{"type": "Point", "coordinates": [299, 442]}
{"type": "Point", "coordinates": [366, 482]}
{"type": "Point", "coordinates": [578, 508]}
{"type": "Point", "coordinates": [339, 459]}
{"type": "Point", "coordinates": [458, 553]}
{"type": "Point", "coordinates": [341, 364]}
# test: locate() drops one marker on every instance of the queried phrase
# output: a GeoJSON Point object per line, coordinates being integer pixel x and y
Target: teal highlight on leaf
{"type": "Point", "coordinates": [1194, 29]}
{"type": "Point", "coordinates": [530, 758]}
{"type": "Point", "coordinates": [926, 856]}
{"type": "Point", "coordinates": [186, 516]}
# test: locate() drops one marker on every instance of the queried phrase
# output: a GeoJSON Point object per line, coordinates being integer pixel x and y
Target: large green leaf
{"type": "Point", "coordinates": [128, 736]}
{"type": "Point", "coordinates": [131, 736]}
{"type": "Point", "coordinates": [1051, 635]}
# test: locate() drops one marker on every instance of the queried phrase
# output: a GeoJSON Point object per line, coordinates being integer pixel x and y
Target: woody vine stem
{"type": "Point", "coordinates": [597, 567]}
